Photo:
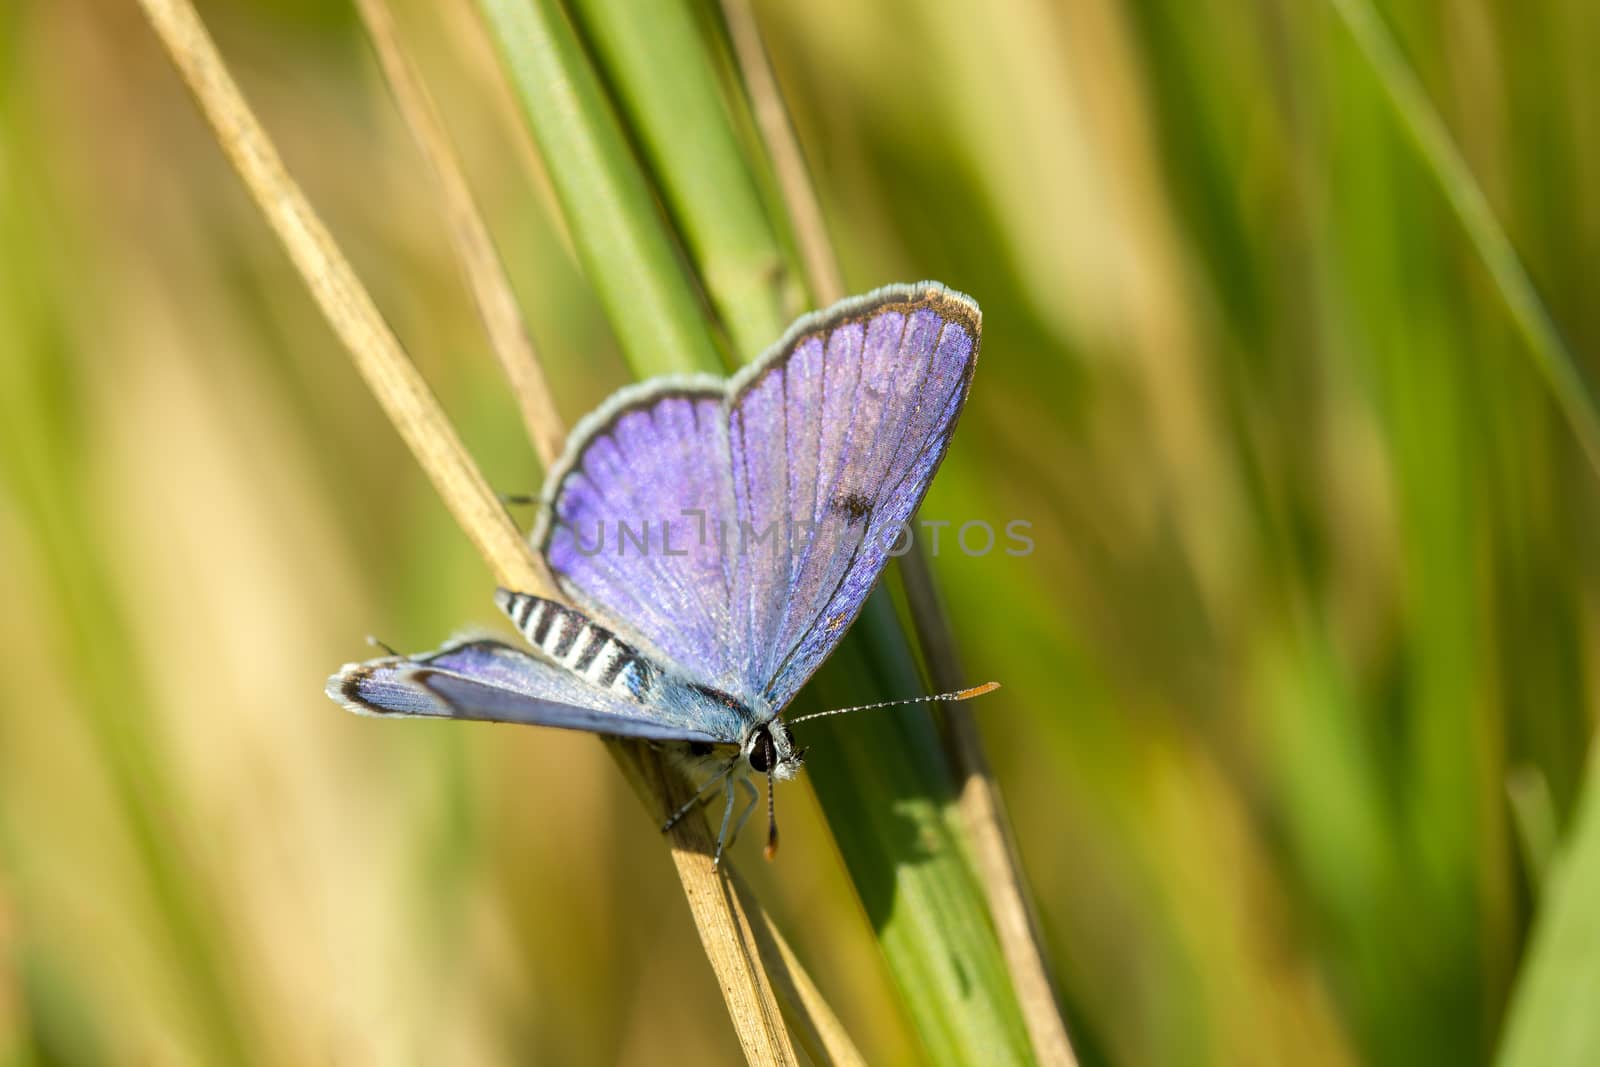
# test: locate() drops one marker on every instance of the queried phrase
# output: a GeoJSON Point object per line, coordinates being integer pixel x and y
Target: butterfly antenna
{"type": "Point", "coordinates": [518, 500]}
{"type": "Point", "coordinates": [772, 824]}
{"type": "Point", "coordinates": [960, 694]}
{"type": "Point", "coordinates": [376, 643]}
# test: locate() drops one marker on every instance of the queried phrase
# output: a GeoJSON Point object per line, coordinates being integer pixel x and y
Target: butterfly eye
{"type": "Point", "coordinates": [761, 752]}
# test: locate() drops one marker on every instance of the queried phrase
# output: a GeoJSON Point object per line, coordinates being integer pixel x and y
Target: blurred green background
{"type": "Point", "coordinates": [1298, 677]}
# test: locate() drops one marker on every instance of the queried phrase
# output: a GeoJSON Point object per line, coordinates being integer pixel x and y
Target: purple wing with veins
{"type": "Point", "coordinates": [633, 529]}
{"type": "Point", "coordinates": [737, 528]}
{"type": "Point", "coordinates": [842, 439]}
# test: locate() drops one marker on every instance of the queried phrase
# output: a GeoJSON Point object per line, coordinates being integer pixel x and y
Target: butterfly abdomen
{"type": "Point", "coordinates": [581, 645]}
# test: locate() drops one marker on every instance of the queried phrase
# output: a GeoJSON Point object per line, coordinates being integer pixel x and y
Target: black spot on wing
{"type": "Point", "coordinates": [350, 687]}
{"type": "Point", "coordinates": [856, 506]}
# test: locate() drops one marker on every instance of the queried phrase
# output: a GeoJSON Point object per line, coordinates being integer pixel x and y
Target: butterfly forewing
{"type": "Point", "coordinates": [897, 405]}
{"type": "Point", "coordinates": [738, 529]}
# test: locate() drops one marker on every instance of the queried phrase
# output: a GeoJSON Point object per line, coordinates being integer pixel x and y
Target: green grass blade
{"type": "Point", "coordinates": [1427, 130]}
{"type": "Point", "coordinates": [1553, 1022]}
{"type": "Point", "coordinates": [622, 239]}
{"type": "Point", "coordinates": [662, 70]}
{"type": "Point", "coordinates": [888, 791]}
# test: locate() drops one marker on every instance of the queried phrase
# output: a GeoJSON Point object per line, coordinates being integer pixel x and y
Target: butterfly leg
{"type": "Point", "coordinates": [744, 816]}
{"type": "Point", "coordinates": [727, 812]}
{"type": "Point", "coordinates": [704, 793]}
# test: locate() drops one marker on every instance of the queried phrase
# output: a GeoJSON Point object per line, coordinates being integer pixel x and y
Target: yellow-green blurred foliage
{"type": "Point", "coordinates": [1314, 573]}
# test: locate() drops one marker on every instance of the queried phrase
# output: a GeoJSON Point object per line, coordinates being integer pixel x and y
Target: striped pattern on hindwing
{"type": "Point", "coordinates": [582, 646]}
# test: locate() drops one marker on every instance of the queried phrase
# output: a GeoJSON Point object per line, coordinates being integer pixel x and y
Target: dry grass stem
{"type": "Point", "coordinates": [816, 1026]}
{"type": "Point", "coordinates": [484, 270]}
{"type": "Point", "coordinates": [725, 928]}
{"type": "Point", "coordinates": [393, 378]}
{"type": "Point", "coordinates": [783, 148]}
{"type": "Point", "coordinates": [721, 915]}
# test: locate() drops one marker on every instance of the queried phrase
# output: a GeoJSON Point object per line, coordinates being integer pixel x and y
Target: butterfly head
{"type": "Point", "coordinates": [771, 750]}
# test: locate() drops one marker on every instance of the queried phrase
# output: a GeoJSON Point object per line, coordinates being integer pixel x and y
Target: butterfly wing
{"type": "Point", "coordinates": [738, 527]}
{"type": "Point", "coordinates": [630, 521]}
{"type": "Point", "coordinates": [488, 680]}
{"type": "Point", "coordinates": [839, 437]}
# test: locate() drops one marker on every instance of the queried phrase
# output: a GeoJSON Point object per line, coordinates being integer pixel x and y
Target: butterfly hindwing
{"type": "Point", "coordinates": [488, 680]}
{"type": "Point", "coordinates": [588, 651]}
{"type": "Point", "coordinates": [632, 518]}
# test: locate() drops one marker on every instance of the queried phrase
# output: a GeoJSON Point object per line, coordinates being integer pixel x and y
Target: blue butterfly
{"type": "Point", "coordinates": [716, 538]}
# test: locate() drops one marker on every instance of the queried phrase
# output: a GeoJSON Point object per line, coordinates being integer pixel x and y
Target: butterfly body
{"type": "Point", "coordinates": [714, 539]}
{"type": "Point", "coordinates": [605, 661]}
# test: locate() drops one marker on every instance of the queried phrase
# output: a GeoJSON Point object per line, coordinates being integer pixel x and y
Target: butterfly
{"type": "Point", "coordinates": [714, 540]}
